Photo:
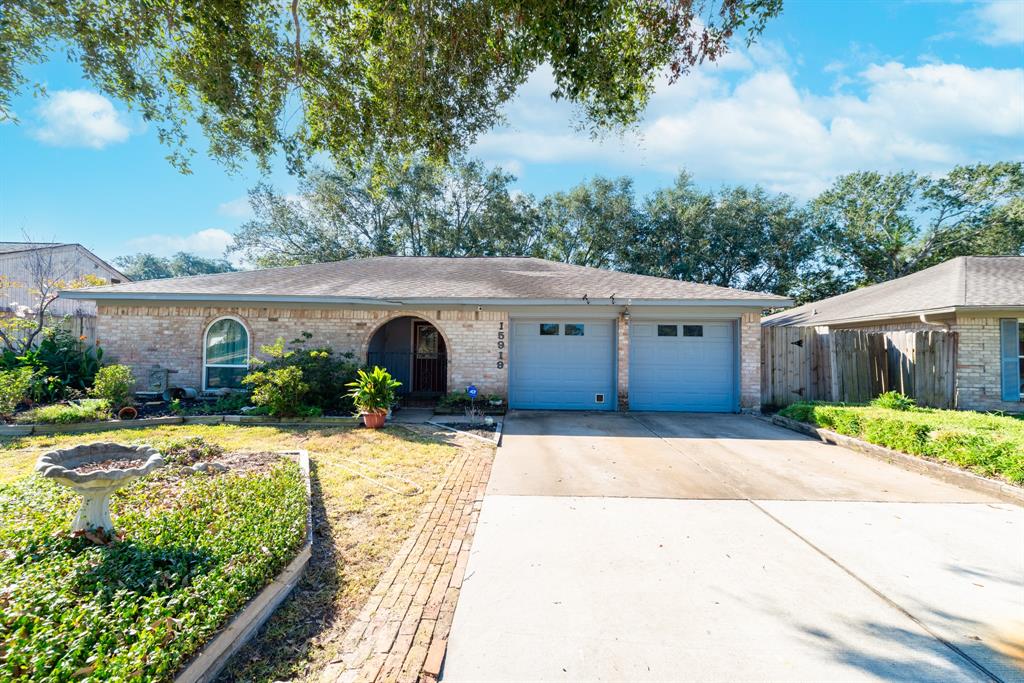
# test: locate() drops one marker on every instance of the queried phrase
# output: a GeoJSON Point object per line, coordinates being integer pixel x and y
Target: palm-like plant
{"type": "Point", "coordinates": [373, 391]}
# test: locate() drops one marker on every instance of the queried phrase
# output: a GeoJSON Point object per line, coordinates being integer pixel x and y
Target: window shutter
{"type": "Point", "coordinates": [1009, 340]}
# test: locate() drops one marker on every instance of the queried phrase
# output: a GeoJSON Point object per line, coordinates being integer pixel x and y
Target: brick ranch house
{"type": "Point", "coordinates": [980, 298]}
{"type": "Point", "coordinates": [546, 335]}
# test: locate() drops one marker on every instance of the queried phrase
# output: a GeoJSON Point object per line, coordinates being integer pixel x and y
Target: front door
{"type": "Point", "coordinates": [429, 363]}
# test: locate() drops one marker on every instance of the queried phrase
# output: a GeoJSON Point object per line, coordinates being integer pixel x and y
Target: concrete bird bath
{"type": "Point", "coordinates": [94, 471]}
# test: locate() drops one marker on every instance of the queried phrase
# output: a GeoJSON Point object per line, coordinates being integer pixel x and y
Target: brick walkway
{"type": "Point", "coordinates": [402, 631]}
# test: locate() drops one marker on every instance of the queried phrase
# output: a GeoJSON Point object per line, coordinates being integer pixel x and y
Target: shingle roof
{"type": "Point", "coordinates": [963, 282]}
{"type": "Point", "coordinates": [10, 247]}
{"type": "Point", "coordinates": [394, 278]}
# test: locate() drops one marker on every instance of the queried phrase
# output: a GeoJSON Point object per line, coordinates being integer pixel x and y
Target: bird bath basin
{"type": "Point", "coordinates": [94, 471]}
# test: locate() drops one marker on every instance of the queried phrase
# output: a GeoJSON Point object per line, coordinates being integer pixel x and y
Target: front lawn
{"type": "Point", "coordinates": [985, 443]}
{"type": "Point", "coordinates": [195, 549]}
{"type": "Point", "coordinates": [368, 489]}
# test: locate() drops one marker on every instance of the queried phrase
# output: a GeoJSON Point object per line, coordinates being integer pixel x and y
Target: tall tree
{"type": "Point", "coordinates": [738, 237]}
{"type": "Point", "coordinates": [590, 225]}
{"type": "Point", "coordinates": [368, 75]}
{"type": "Point", "coordinates": [417, 208]}
{"type": "Point", "coordinates": [873, 227]}
{"type": "Point", "coordinates": [144, 266]}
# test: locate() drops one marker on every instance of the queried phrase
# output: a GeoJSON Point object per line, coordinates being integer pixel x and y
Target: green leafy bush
{"type": "Point", "coordinates": [63, 365]}
{"type": "Point", "coordinates": [281, 390]}
{"type": "Point", "coordinates": [322, 370]}
{"type": "Point", "coordinates": [85, 410]}
{"type": "Point", "coordinates": [374, 391]}
{"type": "Point", "coordinates": [139, 609]}
{"type": "Point", "coordinates": [461, 399]}
{"type": "Point", "coordinates": [228, 404]}
{"type": "Point", "coordinates": [114, 384]}
{"type": "Point", "coordinates": [894, 400]}
{"type": "Point", "coordinates": [989, 444]}
{"type": "Point", "coordinates": [14, 388]}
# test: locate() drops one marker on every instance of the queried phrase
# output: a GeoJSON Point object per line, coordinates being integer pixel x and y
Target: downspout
{"type": "Point", "coordinates": [924, 319]}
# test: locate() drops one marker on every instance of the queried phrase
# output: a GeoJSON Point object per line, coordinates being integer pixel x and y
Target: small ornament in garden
{"type": "Point", "coordinates": [94, 471]}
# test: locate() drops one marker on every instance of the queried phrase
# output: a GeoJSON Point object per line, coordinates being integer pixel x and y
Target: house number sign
{"type": "Point", "coordinates": [501, 345]}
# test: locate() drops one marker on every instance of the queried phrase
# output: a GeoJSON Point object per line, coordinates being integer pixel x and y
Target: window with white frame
{"type": "Point", "coordinates": [225, 354]}
{"type": "Point", "coordinates": [1020, 355]}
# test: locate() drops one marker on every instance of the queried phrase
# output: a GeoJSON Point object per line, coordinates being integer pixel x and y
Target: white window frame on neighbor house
{"type": "Point", "coordinates": [1020, 356]}
{"type": "Point", "coordinates": [206, 346]}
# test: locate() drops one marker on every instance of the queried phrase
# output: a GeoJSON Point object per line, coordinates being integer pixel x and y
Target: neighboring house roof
{"type": "Point", "coordinates": [11, 247]}
{"type": "Point", "coordinates": [398, 279]}
{"type": "Point", "coordinates": [14, 248]}
{"type": "Point", "coordinates": [966, 282]}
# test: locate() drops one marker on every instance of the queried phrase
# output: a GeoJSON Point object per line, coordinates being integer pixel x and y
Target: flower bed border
{"type": "Point", "coordinates": [206, 664]}
{"type": "Point", "coordinates": [947, 473]}
{"type": "Point", "coordinates": [107, 425]}
{"type": "Point", "coordinates": [496, 441]}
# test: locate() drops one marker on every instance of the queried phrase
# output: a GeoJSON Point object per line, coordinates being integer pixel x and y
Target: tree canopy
{"type": "Point", "coordinates": [303, 77]}
{"type": "Point", "coordinates": [149, 267]}
{"type": "Point", "coordinates": [866, 228]}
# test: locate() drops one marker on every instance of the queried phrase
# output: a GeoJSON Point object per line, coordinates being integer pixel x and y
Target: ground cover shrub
{"type": "Point", "coordinates": [990, 444]}
{"type": "Point", "coordinates": [85, 410]}
{"type": "Point", "coordinates": [192, 555]}
{"type": "Point", "coordinates": [894, 400]}
{"type": "Point", "coordinates": [280, 390]}
{"type": "Point", "coordinates": [14, 388]}
{"type": "Point", "coordinates": [114, 384]}
{"type": "Point", "coordinates": [896, 434]}
{"type": "Point", "coordinates": [227, 404]}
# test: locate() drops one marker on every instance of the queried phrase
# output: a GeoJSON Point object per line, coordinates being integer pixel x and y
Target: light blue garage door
{"type": "Point", "coordinates": [684, 366]}
{"type": "Point", "coordinates": [562, 364]}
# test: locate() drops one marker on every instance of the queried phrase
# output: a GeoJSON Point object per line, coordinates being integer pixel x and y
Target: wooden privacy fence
{"type": "Point", "coordinates": [854, 366]}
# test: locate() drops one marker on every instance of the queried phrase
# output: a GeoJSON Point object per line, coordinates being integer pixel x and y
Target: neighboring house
{"type": "Point", "coordinates": [548, 335]}
{"type": "Point", "coordinates": [24, 263]}
{"type": "Point", "coordinates": [981, 298]}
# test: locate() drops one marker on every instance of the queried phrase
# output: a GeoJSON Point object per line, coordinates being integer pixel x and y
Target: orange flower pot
{"type": "Point", "coordinates": [374, 420]}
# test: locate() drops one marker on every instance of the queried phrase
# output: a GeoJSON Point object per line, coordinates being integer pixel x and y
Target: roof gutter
{"type": "Point", "coordinates": [371, 301]}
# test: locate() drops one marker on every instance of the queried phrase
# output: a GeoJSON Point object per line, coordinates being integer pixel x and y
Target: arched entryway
{"type": "Point", "coordinates": [414, 352]}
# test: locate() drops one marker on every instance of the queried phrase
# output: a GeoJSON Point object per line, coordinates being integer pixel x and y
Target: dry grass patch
{"type": "Point", "coordinates": [368, 489]}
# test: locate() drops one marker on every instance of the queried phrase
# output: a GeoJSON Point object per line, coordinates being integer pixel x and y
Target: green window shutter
{"type": "Point", "coordinates": [1009, 346]}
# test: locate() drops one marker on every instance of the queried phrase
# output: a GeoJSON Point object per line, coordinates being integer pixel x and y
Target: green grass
{"type": "Point", "coordinates": [194, 551]}
{"type": "Point", "coordinates": [986, 443]}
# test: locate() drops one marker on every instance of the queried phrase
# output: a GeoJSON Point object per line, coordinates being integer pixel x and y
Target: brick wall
{"type": "Point", "coordinates": [750, 362]}
{"type": "Point", "coordinates": [172, 337]}
{"type": "Point", "coordinates": [978, 366]}
{"type": "Point", "coordinates": [148, 336]}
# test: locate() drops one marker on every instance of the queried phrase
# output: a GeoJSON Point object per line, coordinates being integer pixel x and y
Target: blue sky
{"type": "Point", "coordinates": [831, 87]}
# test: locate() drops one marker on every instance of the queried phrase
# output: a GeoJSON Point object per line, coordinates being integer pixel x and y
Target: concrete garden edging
{"type": "Point", "coordinates": [108, 425]}
{"type": "Point", "coordinates": [206, 664]}
{"type": "Point", "coordinates": [947, 473]}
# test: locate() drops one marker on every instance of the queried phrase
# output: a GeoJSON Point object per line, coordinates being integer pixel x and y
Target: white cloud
{"type": "Point", "coordinates": [1000, 22]}
{"type": "Point", "coordinates": [236, 208]}
{"type": "Point", "coordinates": [763, 129]}
{"type": "Point", "coordinates": [80, 118]}
{"type": "Point", "coordinates": [210, 243]}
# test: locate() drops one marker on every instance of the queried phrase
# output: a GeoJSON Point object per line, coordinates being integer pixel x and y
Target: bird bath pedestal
{"type": "Point", "coordinates": [94, 471]}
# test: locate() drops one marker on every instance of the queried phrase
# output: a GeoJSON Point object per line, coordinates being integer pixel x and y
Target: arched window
{"type": "Point", "coordinates": [226, 354]}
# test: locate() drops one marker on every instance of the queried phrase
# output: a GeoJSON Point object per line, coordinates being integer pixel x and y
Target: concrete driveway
{"type": "Point", "coordinates": [721, 548]}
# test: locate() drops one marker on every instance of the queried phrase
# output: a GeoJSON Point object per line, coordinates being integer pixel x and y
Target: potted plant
{"type": "Point", "coordinates": [373, 393]}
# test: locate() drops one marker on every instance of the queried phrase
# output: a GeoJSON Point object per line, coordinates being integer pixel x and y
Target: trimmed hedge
{"type": "Point", "coordinates": [194, 552]}
{"type": "Point", "coordinates": [988, 444]}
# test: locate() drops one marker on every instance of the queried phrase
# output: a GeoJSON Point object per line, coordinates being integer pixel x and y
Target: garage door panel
{"type": "Point", "coordinates": [559, 371]}
{"type": "Point", "coordinates": [686, 373]}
